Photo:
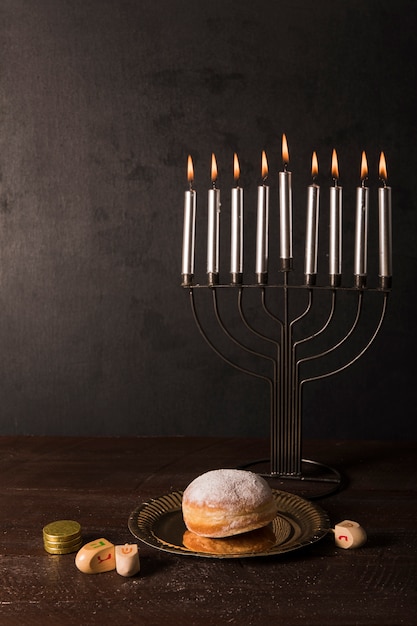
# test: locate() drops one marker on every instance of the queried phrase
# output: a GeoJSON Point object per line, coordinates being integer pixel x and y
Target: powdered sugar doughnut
{"type": "Point", "coordinates": [226, 502]}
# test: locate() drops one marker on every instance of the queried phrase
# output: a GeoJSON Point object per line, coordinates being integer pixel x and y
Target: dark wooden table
{"type": "Point", "coordinates": [99, 481]}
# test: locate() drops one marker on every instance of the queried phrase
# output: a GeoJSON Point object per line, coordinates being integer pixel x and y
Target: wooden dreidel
{"type": "Point", "coordinates": [349, 534]}
{"type": "Point", "coordinates": [127, 559]}
{"type": "Point", "coordinates": [96, 557]}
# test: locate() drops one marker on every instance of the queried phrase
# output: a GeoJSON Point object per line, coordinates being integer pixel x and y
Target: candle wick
{"type": "Point", "coordinates": [384, 182]}
{"type": "Point", "coordinates": [264, 179]}
{"type": "Point", "coordinates": [285, 167]}
{"type": "Point", "coordinates": [191, 185]}
{"type": "Point", "coordinates": [214, 184]}
{"type": "Point", "coordinates": [335, 182]}
{"type": "Point", "coordinates": [363, 181]}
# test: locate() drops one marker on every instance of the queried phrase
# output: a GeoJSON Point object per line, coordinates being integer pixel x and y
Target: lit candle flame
{"type": "Point", "coordinates": [264, 166]}
{"type": "Point", "coordinates": [364, 167]}
{"type": "Point", "coordinates": [314, 165]}
{"type": "Point", "coordinates": [335, 166]}
{"type": "Point", "coordinates": [190, 170]}
{"type": "Point", "coordinates": [383, 168]}
{"type": "Point", "coordinates": [236, 167]}
{"type": "Point", "coordinates": [213, 168]}
{"type": "Point", "coordinates": [285, 153]}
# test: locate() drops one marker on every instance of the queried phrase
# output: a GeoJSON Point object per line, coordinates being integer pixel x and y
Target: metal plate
{"type": "Point", "coordinates": [159, 523]}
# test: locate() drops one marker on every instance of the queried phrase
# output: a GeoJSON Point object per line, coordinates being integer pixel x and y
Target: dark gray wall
{"type": "Point", "coordinates": [101, 101]}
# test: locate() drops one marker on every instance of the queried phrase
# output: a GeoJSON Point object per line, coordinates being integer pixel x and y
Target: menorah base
{"type": "Point", "coordinates": [316, 480]}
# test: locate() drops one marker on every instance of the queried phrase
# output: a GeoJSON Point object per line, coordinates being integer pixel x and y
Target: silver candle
{"type": "Point", "coordinates": [361, 228]}
{"type": "Point", "coordinates": [188, 240]}
{"type": "Point", "coordinates": [385, 228]}
{"type": "Point", "coordinates": [262, 224]}
{"type": "Point", "coordinates": [213, 227]}
{"type": "Point", "coordinates": [285, 208]}
{"type": "Point", "coordinates": [312, 226]}
{"type": "Point", "coordinates": [236, 234]}
{"type": "Point", "coordinates": [335, 234]}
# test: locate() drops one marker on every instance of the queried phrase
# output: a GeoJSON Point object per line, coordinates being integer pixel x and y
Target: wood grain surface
{"type": "Point", "coordinates": [99, 481]}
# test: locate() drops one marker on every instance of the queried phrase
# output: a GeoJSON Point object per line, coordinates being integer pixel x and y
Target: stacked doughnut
{"type": "Point", "coordinates": [225, 503]}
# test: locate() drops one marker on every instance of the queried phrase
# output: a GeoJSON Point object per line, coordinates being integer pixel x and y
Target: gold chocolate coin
{"type": "Point", "coordinates": [63, 530]}
{"type": "Point", "coordinates": [62, 550]}
{"type": "Point", "coordinates": [62, 537]}
{"type": "Point", "coordinates": [62, 544]}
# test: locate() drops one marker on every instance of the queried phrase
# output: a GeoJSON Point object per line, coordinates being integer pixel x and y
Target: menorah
{"type": "Point", "coordinates": [283, 348]}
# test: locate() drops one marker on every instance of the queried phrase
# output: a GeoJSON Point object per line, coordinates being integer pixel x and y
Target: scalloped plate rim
{"type": "Point", "coordinates": [152, 540]}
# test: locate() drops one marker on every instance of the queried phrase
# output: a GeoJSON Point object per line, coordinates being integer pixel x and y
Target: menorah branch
{"type": "Point", "coordinates": [284, 382]}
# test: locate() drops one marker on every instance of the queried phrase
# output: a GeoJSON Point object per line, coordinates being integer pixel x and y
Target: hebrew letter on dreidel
{"type": "Point", "coordinates": [96, 557]}
{"type": "Point", "coordinates": [127, 559]}
{"type": "Point", "coordinates": [349, 534]}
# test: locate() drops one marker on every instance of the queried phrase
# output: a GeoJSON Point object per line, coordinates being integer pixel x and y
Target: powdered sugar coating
{"type": "Point", "coordinates": [228, 488]}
